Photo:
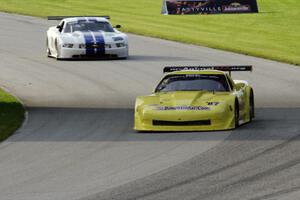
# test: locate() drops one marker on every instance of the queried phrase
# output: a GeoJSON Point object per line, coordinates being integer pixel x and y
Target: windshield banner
{"type": "Point", "coordinates": [178, 7]}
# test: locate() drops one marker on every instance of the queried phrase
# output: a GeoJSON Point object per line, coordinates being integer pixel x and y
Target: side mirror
{"type": "Point", "coordinates": [118, 26]}
{"type": "Point", "coordinates": [59, 27]}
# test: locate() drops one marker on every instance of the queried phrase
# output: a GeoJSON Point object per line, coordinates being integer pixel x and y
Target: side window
{"type": "Point", "coordinates": [68, 28]}
{"type": "Point", "coordinates": [230, 82]}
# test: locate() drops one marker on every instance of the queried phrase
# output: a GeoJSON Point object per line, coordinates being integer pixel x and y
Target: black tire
{"type": "Point", "coordinates": [48, 50]}
{"type": "Point", "coordinates": [57, 50]}
{"type": "Point", "coordinates": [251, 106]}
{"type": "Point", "coordinates": [236, 114]}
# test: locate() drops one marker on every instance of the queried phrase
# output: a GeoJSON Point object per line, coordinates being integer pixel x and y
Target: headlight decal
{"type": "Point", "coordinates": [117, 39]}
{"type": "Point", "coordinates": [68, 45]}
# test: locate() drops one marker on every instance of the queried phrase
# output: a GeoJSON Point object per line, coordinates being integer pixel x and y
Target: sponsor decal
{"type": "Point", "coordinates": [213, 103]}
{"type": "Point", "coordinates": [199, 68]}
{"type": "Point", "coordinates": [180, 7]}
{"type": "Point", "coordinates": [183, 108]}
{"type": "Point", "coordinates": [236, 7]}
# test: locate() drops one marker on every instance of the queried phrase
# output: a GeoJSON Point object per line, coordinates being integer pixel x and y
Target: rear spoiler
{"type": "Point", "coordinates": [233, 68]}
{"type": "Point", "coordinates": [63, 17]}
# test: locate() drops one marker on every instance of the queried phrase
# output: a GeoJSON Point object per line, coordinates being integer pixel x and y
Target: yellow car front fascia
{"type": "Point", "coordinates": [220, 113]}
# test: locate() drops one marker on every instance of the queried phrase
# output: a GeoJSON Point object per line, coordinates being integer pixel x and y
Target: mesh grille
{"type": "Point", "coordinates": [185, 123]}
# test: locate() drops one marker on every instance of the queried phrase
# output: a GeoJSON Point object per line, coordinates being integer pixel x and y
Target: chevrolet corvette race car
{"type": "Point", "coordinates": [196, 99]}
{"type": "Point", "coordinates": [91, 37]}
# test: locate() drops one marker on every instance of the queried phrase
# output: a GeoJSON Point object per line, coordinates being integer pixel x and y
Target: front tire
{"type": "Point", "coordinates": [48, 49]}
{"type": "Point", "coordinates": [123, 58]}
{"type": "Point", "coordinates": [57, 50]}
{"type": "Point", "coordinates": [251, 106]}
{"type": "Point", "coordinates": [236, 115]}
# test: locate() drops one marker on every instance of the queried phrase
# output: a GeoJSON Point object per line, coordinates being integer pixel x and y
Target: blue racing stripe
{"type": "Point", "coordinates": [89, 42]}
{"type": "Point", "coordinates": [100, 41]}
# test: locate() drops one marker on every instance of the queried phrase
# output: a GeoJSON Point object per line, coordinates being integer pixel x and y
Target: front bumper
{"type": "Point", "coordinates": [184, 120]}
{"type": "Point", "coordinates": [68, 53]}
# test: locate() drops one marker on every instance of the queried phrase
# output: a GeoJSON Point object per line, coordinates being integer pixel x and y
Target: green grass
{"type": "Point", "coordinates": [11, 115]}
{"type": "Point", "coordinates": [274, 33]}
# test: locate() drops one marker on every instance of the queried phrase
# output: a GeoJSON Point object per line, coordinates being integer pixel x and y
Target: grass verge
{"type": "Point", "coordinates": [274, 33]}
{"type": "Point", "coordinates": [12, 115]}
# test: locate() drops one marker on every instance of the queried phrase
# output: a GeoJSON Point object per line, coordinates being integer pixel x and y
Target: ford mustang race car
{"type": "Point", "coordinates": [196, 99]}
{"type": "Point", "coordinates": [91, 37]}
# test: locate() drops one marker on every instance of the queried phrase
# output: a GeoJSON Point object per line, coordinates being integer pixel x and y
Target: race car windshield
{"type": "Point", "coordinates": [85, 26]}
{"type": "Point", "coordinates": [193, 82]}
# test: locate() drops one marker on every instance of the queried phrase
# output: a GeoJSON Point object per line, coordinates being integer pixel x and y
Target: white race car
{"type": "Point", "coordinates": [85, 37]}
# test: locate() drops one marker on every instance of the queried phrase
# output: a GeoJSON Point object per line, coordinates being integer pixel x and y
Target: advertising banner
{"type": "Point", "coordinates": [178, 7]}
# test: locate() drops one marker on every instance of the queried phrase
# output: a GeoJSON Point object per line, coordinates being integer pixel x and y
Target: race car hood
{"type": "Point", "coordinates": [185, 98]}
{"type": "Point", "coordinates": [79, 37]}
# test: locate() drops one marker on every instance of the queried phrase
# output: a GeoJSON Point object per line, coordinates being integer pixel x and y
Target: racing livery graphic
{"type": "Point", "coordinates": [200, 98]}
{"type": "Point", "coordinates": [91, 37]}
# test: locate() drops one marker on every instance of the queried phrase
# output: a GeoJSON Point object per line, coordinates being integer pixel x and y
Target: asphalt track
{"type": "Point", "coordinates": [78, 142]}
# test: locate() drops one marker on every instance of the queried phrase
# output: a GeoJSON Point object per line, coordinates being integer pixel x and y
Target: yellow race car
{"type": "Point", "coordinates": [196, 98]}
